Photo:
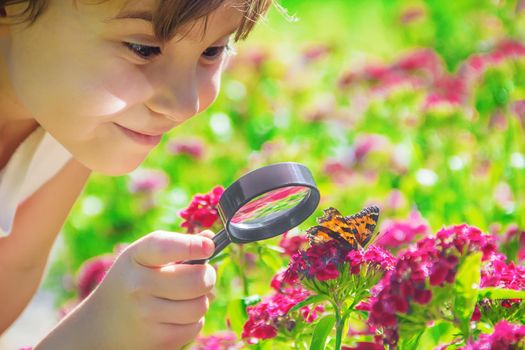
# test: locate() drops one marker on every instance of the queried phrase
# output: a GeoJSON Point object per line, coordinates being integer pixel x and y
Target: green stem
{"type": "Point", "coordinates": [339, 325]}
{"type": "Point", "coordinates": [242, 274]}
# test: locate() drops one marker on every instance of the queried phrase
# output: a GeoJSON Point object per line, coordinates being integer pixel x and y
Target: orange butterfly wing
{"type": "Point", "coordinates": [349, 231]}
{"type": "Point", "coordinates": [363, 225]}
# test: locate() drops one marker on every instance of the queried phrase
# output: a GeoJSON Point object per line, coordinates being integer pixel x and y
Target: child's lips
{"type": "Point", "coordinates": [140, 137]}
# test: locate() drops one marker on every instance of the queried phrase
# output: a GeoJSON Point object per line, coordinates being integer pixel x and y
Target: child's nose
{"type": "Point", "coordinates": [177, 98]}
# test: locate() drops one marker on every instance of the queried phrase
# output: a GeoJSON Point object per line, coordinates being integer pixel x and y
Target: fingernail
{"type": "Point", "coordinates": [207, 246]}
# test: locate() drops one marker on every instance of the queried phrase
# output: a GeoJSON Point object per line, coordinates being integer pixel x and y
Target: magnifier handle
{"type": "Point", "coordinates": [221, 241]}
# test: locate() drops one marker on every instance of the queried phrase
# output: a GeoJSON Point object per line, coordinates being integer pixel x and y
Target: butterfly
{"type": "Point", "coordinates": [352, 232]}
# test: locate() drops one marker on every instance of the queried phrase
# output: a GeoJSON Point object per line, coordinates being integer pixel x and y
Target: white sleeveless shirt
{"type": "Point", "coordinates": [35, 161]}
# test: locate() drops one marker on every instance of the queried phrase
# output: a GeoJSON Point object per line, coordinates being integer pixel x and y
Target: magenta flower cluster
{"type": "Point", "coordinates": [272, 314]}
{"type": "Point", "coordinates": [202, 211]}
{"type": "Point", "coordinates": [432, 262]}
{"type": "Point", "coordinates": [506, 336]}
{"type": "Point", "coordinates": [324, 262]}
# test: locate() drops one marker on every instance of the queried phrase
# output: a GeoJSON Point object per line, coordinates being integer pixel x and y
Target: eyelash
{"type": "Point", "coordinates": [153, 51]}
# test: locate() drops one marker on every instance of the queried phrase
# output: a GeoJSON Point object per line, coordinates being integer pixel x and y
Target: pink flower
{"type": "Point", "coordinates": [202, 211]}
{"type": "Point", "coordinates": [399, 232]}
{"type": "Point", "coordinates": [425, 61]}
{"type": "Point", "coordinates": [433, 259]}
{"type": "Point", "coordinates": [449, 90]}
{"type": "Point", "coordinates": [411, 14]}
{"type": "Point", "coordinates": [364, 144]}
{"type": "Point", "coordinates": [271, 315]}
{"type": "Point", "coordinates": [91, 273]}
{"type": "Point", "coordinates": [292, 243]}
{"type": "Point", "coordinates": [505, 336]}
{"type": "Point", "coordinates": [519, 111]}
{"type": "Point", "coordinates": [319, 262]}
{"type": "Point", "coordinates": [395, 201]}
{"type": "Point", "coordinates": [147, 180]}
{"type": "Point", "coordinates": [374, 258]}
{"type": "Point", "coordinates": [315, 53]}
{"type": "Point", "coordinates": [191, 147]}
{"type": "Point", "coordinates": [218, 341]}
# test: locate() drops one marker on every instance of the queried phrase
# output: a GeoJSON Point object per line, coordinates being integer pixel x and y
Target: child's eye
{"type": "Point", "coordinates": [143, 51]}
{"type": "Point", "coordinates": [216, 52]}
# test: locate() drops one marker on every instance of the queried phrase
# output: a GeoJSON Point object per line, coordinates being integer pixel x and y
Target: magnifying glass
{"type": "Point", "coordinates": [265, 203]}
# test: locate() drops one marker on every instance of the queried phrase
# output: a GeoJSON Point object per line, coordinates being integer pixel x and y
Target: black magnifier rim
{"type": "Point", "coordinates": [261, 181]}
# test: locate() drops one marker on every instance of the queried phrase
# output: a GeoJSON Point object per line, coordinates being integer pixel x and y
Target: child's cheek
{"type": "Point", "coordinates": [115, 90]}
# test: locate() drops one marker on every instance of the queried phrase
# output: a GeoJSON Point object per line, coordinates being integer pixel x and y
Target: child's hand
{"type": "Point", "coordinates": [146, 301]}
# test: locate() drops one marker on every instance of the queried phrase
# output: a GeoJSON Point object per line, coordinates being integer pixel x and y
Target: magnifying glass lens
{"type": "Point", "coordinates": [268, 207]}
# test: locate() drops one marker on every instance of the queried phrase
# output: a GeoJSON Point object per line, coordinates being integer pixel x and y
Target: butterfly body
{"type": "Point", "coordinates": [352, 232]}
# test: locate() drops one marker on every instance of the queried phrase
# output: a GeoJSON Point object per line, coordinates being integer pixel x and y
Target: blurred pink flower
{"type": "Point", "coordinates": [399, 232]}
{"type": "Point", "coordinates": [449, 90]}
{"type": "Point", "coordinates": [147, 180]}
{"type": "Point", "coordinates": [367, 143]}
{"type": "Point", "coordinates": [503, 195]}
{"type": "Point", "coordinates": [395, 200]}
{"type": "Point", "coordinates": [315, 53]}
{"type": "Point", "coordinates": [339, 172]}
{"type": "Point", "coordinates": [217, 341]}
{"type": "Point", "coordinates": [519, 110]}
{"type": "Point", "coordinates": [411, 14]}
{"type": "Point", "coordinates": [423, 61]}
{"type": "Point", "coordinates": [91, 273]}
{"type": "Point", "coordinates": [191, 147]}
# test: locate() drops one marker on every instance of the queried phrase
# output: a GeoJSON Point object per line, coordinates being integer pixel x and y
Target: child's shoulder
{"type": "Point", "coordinates": [35, 161]}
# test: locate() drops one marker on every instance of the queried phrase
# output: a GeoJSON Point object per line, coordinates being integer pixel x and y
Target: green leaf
{"type": "Point", "coordinates": [441, 332]}
{"type": "Point", "coordinates": [236, 313]}
{"type": "Point", "coordinates": [501, 293]}
{"type": "Point", "coordinates": [466, 287]}
{"type": "Point", "coordinates": [410, 343]}
{"type": "Point", "coordinates": [312, 299]}
{"type": "Point", "coordinates": [321, 332]}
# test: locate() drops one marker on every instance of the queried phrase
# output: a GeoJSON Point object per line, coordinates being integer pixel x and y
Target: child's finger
{"type": "Point", "coordinates": [207, 233]}
{"type": "Point", "coordinates": [161, 248]}
{"type": "Point", "coordinates": [179, 281]}
{"type": "Point", "coordinates": [176, 311]}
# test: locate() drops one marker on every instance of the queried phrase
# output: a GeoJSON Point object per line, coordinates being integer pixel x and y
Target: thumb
{"type": "Point", "coordinates": [162, 248]}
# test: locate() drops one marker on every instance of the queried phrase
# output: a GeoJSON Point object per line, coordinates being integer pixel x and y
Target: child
{"type": "Point", "coordinates": [92, 86]}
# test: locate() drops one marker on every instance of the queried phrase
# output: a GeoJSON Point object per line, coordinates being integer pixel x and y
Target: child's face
{"type": "Point", "coordinates": [74, 73]}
